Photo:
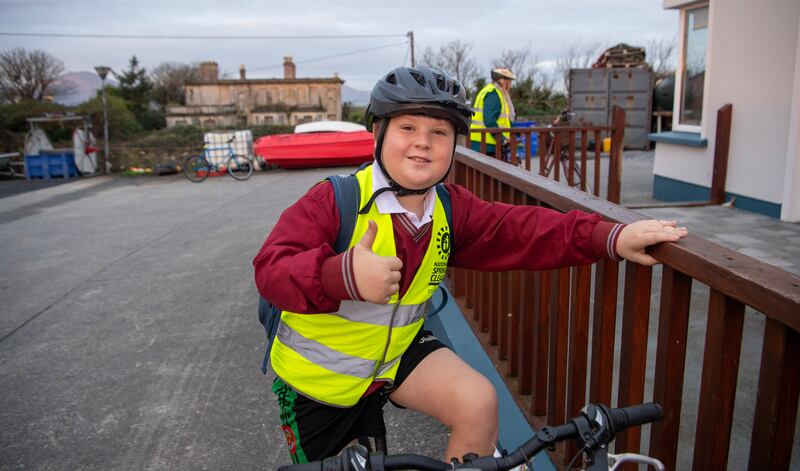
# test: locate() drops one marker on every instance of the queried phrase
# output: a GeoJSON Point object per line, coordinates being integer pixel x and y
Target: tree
{"type": "Point", "coordinates": [521, 61]}
{"type": "Point", "coordinates": [454, 58]}
{"type": "Point", "coordinates": [577, 55]}
{"type": "Point", "coordinates": [661, 56]}
{"type": "Point", "coordinates": [136, 89]}
{"type": "Point", "coordinates": [169, 81]}
{"type": "Point", "coordinates": [27, 75]}
{"type": "Point", "coordinates": [121, 121]}
{"type": "Point", "coordinates": [532, 92]}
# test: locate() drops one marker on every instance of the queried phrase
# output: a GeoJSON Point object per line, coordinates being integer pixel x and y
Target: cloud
{"type": "Point", "coordinates": [546, 27]}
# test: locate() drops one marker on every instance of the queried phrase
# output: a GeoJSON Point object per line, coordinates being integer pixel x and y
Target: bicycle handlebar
{"type": "Point", "coordinates": [594, 429]}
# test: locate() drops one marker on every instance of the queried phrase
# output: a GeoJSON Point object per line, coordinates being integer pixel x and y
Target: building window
{"type": "Point", "coordinates": [268, 120]}
{"type": "Point", "coordinates": [331, 117]}
{"type": "Point", "coordinates": [209, 123]}
{"type": "Point", "coordinates": [692, 68]}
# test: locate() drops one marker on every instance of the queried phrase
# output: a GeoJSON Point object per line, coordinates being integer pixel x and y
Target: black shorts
{"type": "Point", "coordinates": [315, 431]}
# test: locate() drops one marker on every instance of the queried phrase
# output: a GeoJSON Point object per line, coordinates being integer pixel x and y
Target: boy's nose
{"type": "Point", "coordinates": [423, 140]}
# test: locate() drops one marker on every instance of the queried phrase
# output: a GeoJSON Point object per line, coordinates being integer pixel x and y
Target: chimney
{"type": "Point", "coordinates": [288, 68]}
{"type": "Point", "coordinates": [242, 75]}
{"type": "Point", "coordinates": [209, 71]}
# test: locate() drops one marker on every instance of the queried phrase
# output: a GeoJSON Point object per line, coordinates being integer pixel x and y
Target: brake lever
{"type": "Point", "coordinates": [618, 460]}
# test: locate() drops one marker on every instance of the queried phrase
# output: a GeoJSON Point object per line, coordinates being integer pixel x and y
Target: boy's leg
{"type": "Point", "coordinates": [315, 431]}
{"type": "Point", "coordinates": [443, 386]}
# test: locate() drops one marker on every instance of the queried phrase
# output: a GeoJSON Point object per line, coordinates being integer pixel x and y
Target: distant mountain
{"type": "Point", "coordinates": [73, 88]}
{"type": "Point", "coordinates": [355, 97]}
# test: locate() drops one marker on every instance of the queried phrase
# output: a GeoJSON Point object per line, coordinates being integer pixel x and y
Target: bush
{"type": "Point", "coordinates": [14, 127]}
{"type": "Point", "coordinates": [352, 113]}
{"type": "Point", "coordinates": [13, 116]}
{"type": "Point", "coordinates": [121, 121]}
{"type": "Point", "coordinates": [270, 129]}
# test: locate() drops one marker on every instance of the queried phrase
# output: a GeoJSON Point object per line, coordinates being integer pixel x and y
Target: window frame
{"type": "Point", "coordinates": [678, 96]}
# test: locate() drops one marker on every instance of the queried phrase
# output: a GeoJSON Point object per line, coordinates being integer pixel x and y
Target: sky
{"type": "Point", "coordinates": [547, 28]}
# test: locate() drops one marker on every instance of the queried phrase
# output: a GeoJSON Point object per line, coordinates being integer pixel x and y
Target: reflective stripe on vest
{"type": "Point", "coordinates": [503, 121]}
{"type": "Point", "coordinates": [334, 357]}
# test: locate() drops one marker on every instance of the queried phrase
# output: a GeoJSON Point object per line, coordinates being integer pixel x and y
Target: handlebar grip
{"type": "Point", "coordinates": [632, 416]}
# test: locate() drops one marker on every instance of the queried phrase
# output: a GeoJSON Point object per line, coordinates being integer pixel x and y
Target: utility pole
{"type": "Point", "coordinates": [410, 35]}
{"type": "Point", "coordinates": [102, 71]}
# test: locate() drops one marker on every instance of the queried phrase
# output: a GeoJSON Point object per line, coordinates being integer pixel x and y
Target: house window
{"type": "Point", "coordinates": [693, 66]}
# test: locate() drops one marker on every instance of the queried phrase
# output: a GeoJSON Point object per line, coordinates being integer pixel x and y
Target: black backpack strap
{"type": "Point", "coordinates": [348, 195]}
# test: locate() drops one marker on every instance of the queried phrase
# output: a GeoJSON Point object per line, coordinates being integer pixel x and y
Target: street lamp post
{"type": "Point", "coordinates": [102, 71]}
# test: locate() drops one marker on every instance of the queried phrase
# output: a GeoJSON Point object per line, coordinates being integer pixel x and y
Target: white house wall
{"type": "Point", "coordinates": [790, 210]}
{"type": "Point", "coordinates": [750, 66]}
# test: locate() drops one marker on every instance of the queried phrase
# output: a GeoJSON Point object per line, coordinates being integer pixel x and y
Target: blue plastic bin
{"type": "Point", "coordinates": [56, 163]}
{"type": "Point", "coordinates": [522, 137]}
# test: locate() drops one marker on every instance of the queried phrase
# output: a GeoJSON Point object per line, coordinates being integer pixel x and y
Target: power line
{"type": "Point", "coordinates": [330, 57]}
{"type": "Point", "coordinates": [203, 37]}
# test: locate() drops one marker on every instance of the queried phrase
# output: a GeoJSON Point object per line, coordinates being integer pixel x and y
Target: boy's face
{"type": "Point", "coordinates": [417, 150]}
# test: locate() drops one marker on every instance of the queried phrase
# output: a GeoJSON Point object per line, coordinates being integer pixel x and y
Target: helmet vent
{"type": "Point", "coordinates": [392, 78]}
{"type": "Point", "coordinates": [418, 77]}
{"type": "Point", "coordinates": [456, 89]}
{"type": "Point", "coordinates": [440, 83]}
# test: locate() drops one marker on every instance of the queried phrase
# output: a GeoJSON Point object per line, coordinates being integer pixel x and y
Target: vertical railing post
{"type": "Point", "coordinates": [673, 328]}
{"type": "Point", "coordinates": [604, 331]}
{"type": "Point", "coordinates": [615, 158]}
{"type": "Point", "coordinates": [721, 147]}
{"type": "Point", "coordinates": [776, 402]}
{"type": "Point", "coordinates": [718, 384]}
{"type": "Point", "coordinates": [633, 346]}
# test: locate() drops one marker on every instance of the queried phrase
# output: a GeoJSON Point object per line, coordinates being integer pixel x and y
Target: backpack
{"type": "Point", "coordinates": [347, 195]}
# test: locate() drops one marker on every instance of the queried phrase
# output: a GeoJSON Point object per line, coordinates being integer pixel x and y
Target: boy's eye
{"type": "Point", "coordinates": [441, 132]}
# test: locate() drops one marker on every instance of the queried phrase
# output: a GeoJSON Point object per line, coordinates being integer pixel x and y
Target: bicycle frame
{"type": "Point", "coordinates": [207, 154]}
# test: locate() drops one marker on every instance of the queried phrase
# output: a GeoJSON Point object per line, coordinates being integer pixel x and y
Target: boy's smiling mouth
{"type": "Point", "coordinates": [417, 158]}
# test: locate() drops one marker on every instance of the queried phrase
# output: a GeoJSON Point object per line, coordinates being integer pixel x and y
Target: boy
{"type": "Point", "coordinates": [350, 334]}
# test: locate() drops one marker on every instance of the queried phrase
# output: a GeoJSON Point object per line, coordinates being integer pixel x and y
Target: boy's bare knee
{"type": "Point", "coordinates": [480, 399]}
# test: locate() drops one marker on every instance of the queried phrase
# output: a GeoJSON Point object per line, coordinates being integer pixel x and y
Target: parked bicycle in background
{"type": "Point", "coordinates": [198, 167]}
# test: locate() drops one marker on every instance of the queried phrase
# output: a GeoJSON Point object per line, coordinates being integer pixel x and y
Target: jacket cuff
{"type": "Point", "coordinates": [604, 240]}
{"type": "Point", "coordinates": [338, 280]}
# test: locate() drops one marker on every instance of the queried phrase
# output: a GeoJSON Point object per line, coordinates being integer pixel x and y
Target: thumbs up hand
{"type": "Point", "coordinates": [377, 278]}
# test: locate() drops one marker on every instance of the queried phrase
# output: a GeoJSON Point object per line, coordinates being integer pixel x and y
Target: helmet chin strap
{"type": "Point", "coordinates": [399, 189]}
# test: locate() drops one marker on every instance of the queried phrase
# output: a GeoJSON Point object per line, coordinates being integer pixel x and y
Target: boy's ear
{"type": "Point", "coordinates": [376, 126]}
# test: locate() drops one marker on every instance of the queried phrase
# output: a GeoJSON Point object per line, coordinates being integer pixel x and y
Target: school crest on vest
{"type": "Point", "coordinates": [442, 244]}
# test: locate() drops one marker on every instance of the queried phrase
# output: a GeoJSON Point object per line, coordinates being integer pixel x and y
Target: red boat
{"type": "Point", "coordinates": [316, 149]}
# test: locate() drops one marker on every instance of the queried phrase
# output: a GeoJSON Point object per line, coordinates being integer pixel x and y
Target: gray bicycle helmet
{"type": "Point", "coordinates": [416, 90]}
{"type": "Point", "coordinates": [420, 90]}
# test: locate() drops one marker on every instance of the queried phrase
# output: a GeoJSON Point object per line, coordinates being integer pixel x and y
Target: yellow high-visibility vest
{"type": "Point", "coordinates": [334, 357]}
{"type": "Point", "coordinates": [503, 121]}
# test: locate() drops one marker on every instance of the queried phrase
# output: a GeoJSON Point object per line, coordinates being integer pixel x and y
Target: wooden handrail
{"type": "Point", "coordinates": [535, 327]}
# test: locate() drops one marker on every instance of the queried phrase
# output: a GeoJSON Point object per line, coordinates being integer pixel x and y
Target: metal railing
{"type": "Point", "coordinates": [535, 326]}
{"type": "Point", "coordinates": [565, 152]}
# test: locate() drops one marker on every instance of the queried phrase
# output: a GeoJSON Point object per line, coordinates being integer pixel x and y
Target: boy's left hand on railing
{"type": "Point", "coordinates": [635, 237]}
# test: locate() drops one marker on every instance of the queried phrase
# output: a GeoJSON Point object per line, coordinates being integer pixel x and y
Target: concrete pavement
{"type": "Point", "coordinates": [128, 334]}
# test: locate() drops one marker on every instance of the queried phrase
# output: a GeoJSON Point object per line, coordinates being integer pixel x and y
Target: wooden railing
{"type": "Point", "coordinates": [535, 326]}
{"type": "Point", "coordinates": [564, 153]}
